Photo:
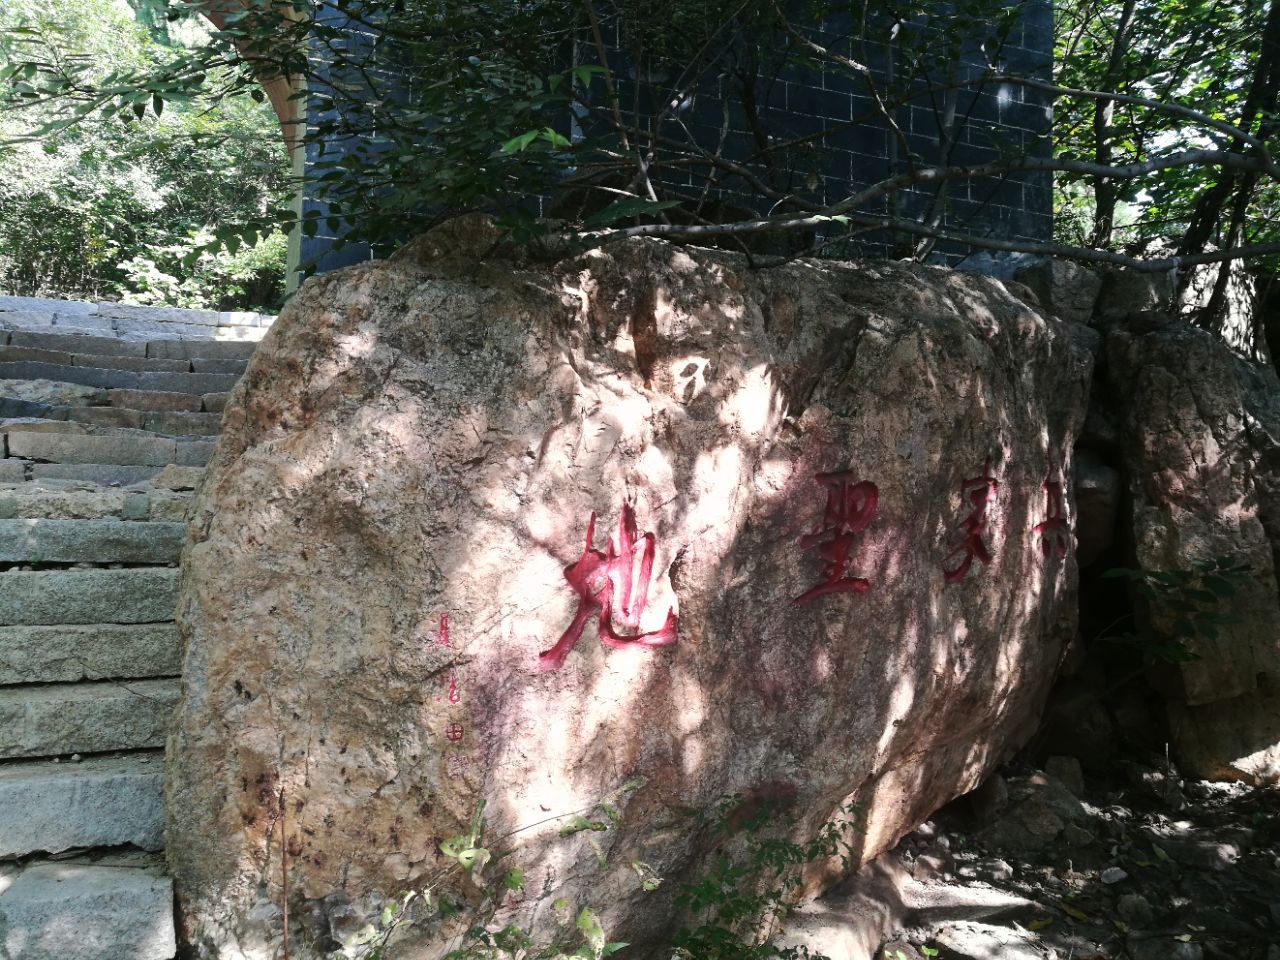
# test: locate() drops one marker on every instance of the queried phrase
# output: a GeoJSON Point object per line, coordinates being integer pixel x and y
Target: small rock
{"type": "Point", "coordinates": [997, 869]}
{"type": "Point", "coordinates": [990, 799]}
{"type": "Point", "coordinates": [980, 940]}
{"type": "Point", "coordinates": [1135, 909]}
{"type": "Point", "coordinates": [1038, 819]}
{"type": "Point", "coordinates": [930, 867]}
{"type": "Point", "coordinates": [1068, 771]}
{"type": "Point", "coordinates": [1076, 837]}
{"type": "Point", "coordinates": [1113, 875]}
{"type": "Point", "coordinates": [1148, 947]}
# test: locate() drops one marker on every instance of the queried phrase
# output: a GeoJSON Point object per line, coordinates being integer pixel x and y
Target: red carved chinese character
{"type": "Point", "coordinates": [455, 695]}
{"type": "Point", "coordinates": [981, 493]}
{"type": "Point", "coordinates": [456, 765]}
{"type": "Point", "coordinates": [607, 585]}
{"type": "Point", "coordinates": [850, 507]}
{"type": "Point", "coordinates": [442, 635]}
{"type": "Point", "coordinates": [454, 732]}
{"type": "Point", "coordinates": [1055, 533]}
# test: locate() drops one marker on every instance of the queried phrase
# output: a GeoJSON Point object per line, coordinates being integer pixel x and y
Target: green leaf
{"type": "Point", "coordinates": [517, 144]}
{"type": "Point", "coordinates": [577, 823]}
{"type": "Point", "coordinates": [513, 879]}
{"type": "Point", "coordinates": [630, 207]}
{"type": "Point", "coordinates": [555, 139]}
{"type": "Point", "coordinates": [590, 927]}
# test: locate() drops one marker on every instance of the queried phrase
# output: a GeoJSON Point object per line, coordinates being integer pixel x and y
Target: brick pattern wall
{"type": "Point", "coordinates": [988, 121]}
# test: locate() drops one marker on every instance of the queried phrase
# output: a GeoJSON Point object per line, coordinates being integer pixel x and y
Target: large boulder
{"type": "Point", "coordinates": [1201, 436]}
{"type": "Point", "coordinates": [831, 562]}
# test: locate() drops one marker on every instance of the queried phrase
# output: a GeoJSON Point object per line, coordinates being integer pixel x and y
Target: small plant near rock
{"type": "Point", "coordinates": [739, 905]}
{"type": "Point", "coordinates": [1190, 601]}
{"type": "Point", "coordinates": [735, 909]}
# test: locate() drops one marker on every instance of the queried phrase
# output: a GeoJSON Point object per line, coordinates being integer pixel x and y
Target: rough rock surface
{"type": "Point", "coordinates": [1202, 440]}
{"type": "Point", "coordinates": [409, 466]}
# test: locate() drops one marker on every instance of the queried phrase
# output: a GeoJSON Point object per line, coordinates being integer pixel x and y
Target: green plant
{"type": "Point", "coordinates": [738, 905]}
{"type": "Point", "coordinates": [734, 909]}
{"type": "Point", "coordinates": [1185, 605]}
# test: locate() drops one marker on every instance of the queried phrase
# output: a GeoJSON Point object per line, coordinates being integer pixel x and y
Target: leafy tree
{"type": "Point", "coordinates": [581, 120]}
{"type": "Point", "coordinates": [1220, 60]}
{"type": "Point", "coordinates": [113, 207]}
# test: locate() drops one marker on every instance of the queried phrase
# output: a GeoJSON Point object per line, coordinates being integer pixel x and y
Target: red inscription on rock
{"type": "Point", "coordinates": [850, 506]}
{"type": "Point", "coordinates": [454, 732]}
{"type": "Point", "coordinates": [615, 587]}
{"type": "Point", "coordinates": [1054, 532]}
{"type": "Point", "coordinates": [455, 694]}
{"type": "Point", "coordinates": [442, 635]}
{"type": "Point", "coordinates": [981, 493]}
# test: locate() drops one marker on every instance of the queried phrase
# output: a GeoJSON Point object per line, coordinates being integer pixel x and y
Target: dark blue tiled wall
{"type": "Point", "coordinates": [858, 149]}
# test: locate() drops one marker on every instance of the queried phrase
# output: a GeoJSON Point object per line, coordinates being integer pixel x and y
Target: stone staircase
{"type": "Point", "coordinates": [108, 414]}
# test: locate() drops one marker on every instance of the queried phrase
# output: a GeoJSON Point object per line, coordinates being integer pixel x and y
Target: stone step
{"type": "Point", "coordinates": [113, 379]}
{"type": "Point", "coordinates": [90, 541]}
{"type": "Point", "coordinates": [206, 349]}
{"type": "Point", "coordinates": [87, 911]}
{"type": "Point", "coordinates": [12, 470]}
{"type": "Point", "coordinates": [103, 474]}
{"type": "Point", "coordinates": [173, 423]}
{"type": "Point", "coordinates": [150, 330]}
{"type": "Point", "coordinates": [155, 400]}
{"type": "Point", "coordinates": [56, 446]}
{"type": "Point", "coordinates": [40, 597]}
{"type": "Point", "coordinates": [57, 719]}
{"type": "Point", "coordinates": [11, 407]}
{"type": "Point", "coordinates": [168, 498]}
{"type": "Point", "coordinates": [68, 654]}
{"type": "Point", "coordinates": [74, 343]}
{"type": "Point", "coordinates": [12, 354]}
{"type": "Point", "coordinates": [48, 807]}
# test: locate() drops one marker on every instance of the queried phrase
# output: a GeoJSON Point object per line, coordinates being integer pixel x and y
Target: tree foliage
{"type": "Point", "coordinates": [122, 205]}
{"type": "Point", "coordinates": [588, 119]}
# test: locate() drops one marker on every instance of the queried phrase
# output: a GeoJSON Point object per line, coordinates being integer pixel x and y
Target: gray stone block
{"type": "Point", "coordinates": [129, 311]}
{"type": "Point", "coordinates": [13, 407]}
{"type": "Point", "coordinates": [103, 416]}
{"type": "Point", "coordinates": [89, 541]}
{"type": "Point", "coordinates": [65, 373]}
{"type": "Point", "coordinates": [39, 354]}
{"type": "Point", "coordinates": [151, 330]}
{"type": "Point", "coordinates": [46, 721]}
{"type": "Point", "coordinates": [184, 424]}
{"type": "Point", "coordinates": [69, 448]}
{"type": "Point", "coordinates": [100, 802]}
{"type": "Point", "coordinates": [195, 453]}
{"type": "Point", "coordinates": [198, 383]}
{"type": "Point", "coordinates": [12, 471]}
{"type": "Point", "coordinates": [87, 596]}
{"type": "Point", "coordinates": [33, 319]}
{"type": "Point", "coordinates": [87, 325]}
{"type": "Point", "coordinates": [153, 400]}
{"type": "Point", "coordinates": [75, 911]}
{"type": "Point", "coordinates": [106, 474]}
{"type": "Point", "coordinates": [130, 363]}
{"type": "Point", "coordinates": [68, 307]}
{"type": "Point", "coordinates": [215, 402]}
{"type": "Point", "coordinates": [74, 343]}
{"type": "Point", "coordinates": [210, 365]}
{"type": "Point", "coordinates": [208, 349]}
{"type": "Point", "coordinates": [67, 654]}
{"type": "Point", "coordinates": [240, 333]}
